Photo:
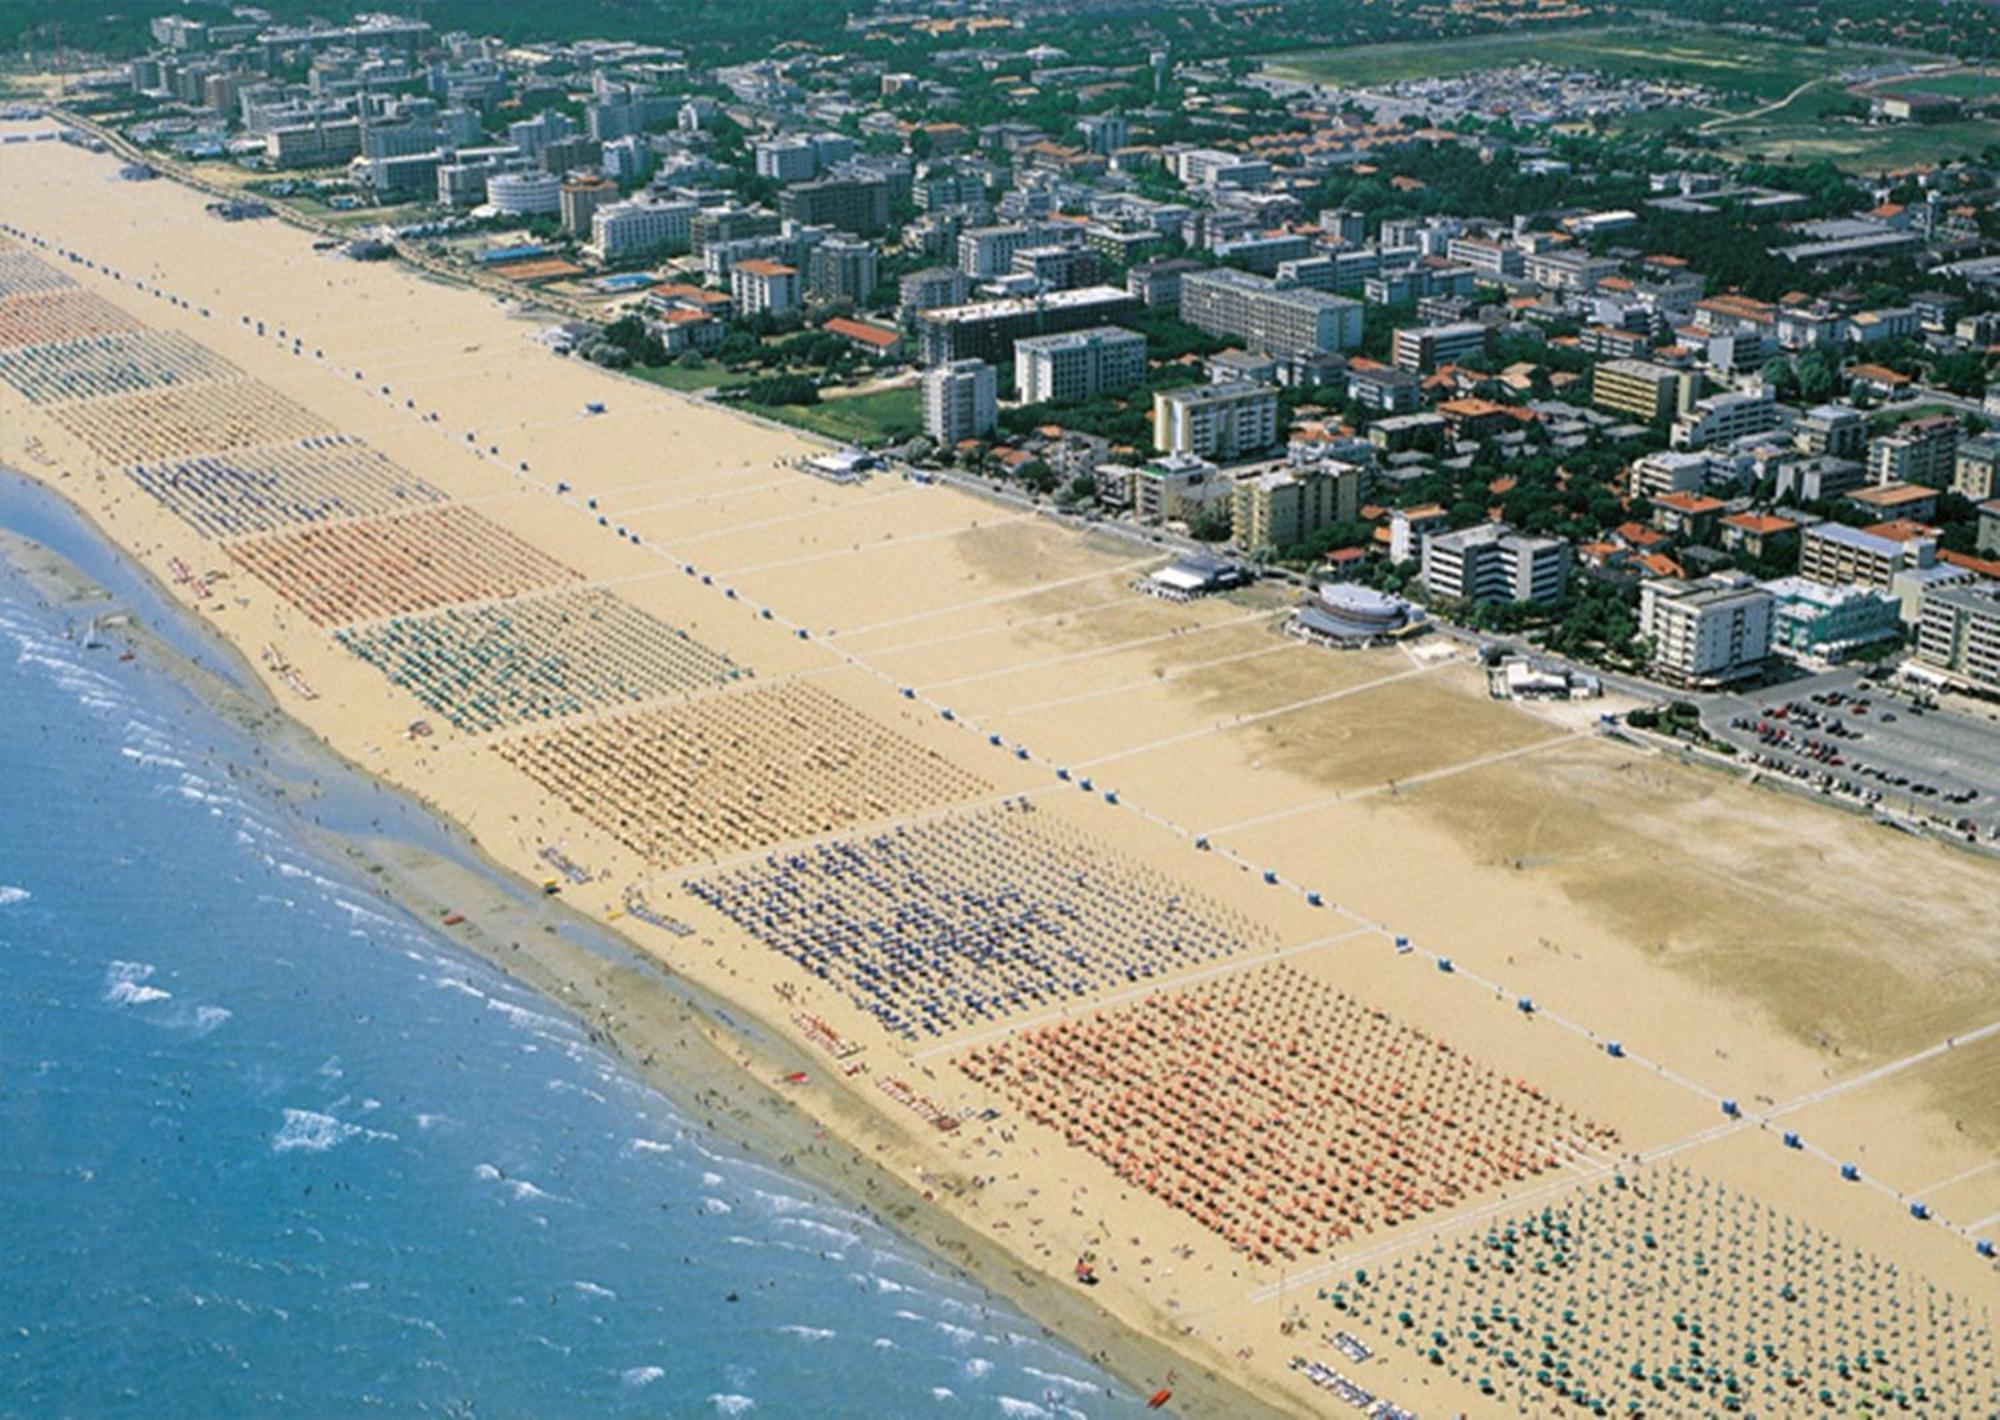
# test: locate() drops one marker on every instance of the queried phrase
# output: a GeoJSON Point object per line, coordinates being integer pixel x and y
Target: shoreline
{"type": "Point", "coordinates": [678, 1038]}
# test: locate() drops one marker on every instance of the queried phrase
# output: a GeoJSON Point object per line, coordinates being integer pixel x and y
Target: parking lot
{"type": "Point", "coordinates": [1849, 736]}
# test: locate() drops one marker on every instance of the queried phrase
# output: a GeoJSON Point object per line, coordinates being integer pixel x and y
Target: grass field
{"type": "Point", "coordinates": [1810, 123]}
{"type": "Point", "coordinates": [1750, 69]}
{"type": "Point", "coordinates": [864, 419]}
{"type": "Point", "coordinates": [709, 377]}
{"type": "Point", "coordinates": [1964, 84]}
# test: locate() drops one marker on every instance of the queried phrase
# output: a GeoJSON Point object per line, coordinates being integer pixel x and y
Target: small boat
{"type": "Point", "coordinates": [452, 919]}
{"type": "Point", "coordinates": [1158, 1399]}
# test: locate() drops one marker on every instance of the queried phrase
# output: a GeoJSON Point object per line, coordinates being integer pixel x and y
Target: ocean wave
{"type": "Point", "coordinates": [715, 1205]}
{"type": "Point", "coordinates": [647, 1146]}
{"type": "Point", "coordinates": [977, 1368]}
{"type": "Point", "coordinates": [312, 1131]}
{"type": "Point", "coordinates": [125, 984]}
{"type": "Point", "coordinates": [808, 1333]}
{"type": "Point", "coordinates": [939, 1392]}
{"type": "Point", "coordinates": [639, 1377]}
{"type": "Point", "coordinates": [452, 983]}
{"type": "Point", "coordinates": [432, 1121]}
{"type": "Point", "coordinates": [1011, 1405]}
{"type": "Point", "coordinates": [826, 1230]}
{"type": "Point", "coordinates": [592, 1289]}
{"type": "Point", "coordinates": [959, 1335]}
{"type": "Point", "coordinates": [1063, 1382]}
{"type": "Point", "coordinates": [883, 1343]}
{"type": "Point", "coordinates": [711, 1180]}
{"type": "Point", "coordinates": [204, 1020]}
{"type": "Point", "coordinates": [11, 895]}
{"type": "Point", "coordinates": [732, 1404]}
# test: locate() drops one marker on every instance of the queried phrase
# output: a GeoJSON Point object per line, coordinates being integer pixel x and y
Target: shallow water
{"type": "Point", "coordinates": [272, 1145]}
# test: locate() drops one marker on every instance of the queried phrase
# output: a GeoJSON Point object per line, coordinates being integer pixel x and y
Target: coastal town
{"type": "Point", "coordinates": [1061, 578]}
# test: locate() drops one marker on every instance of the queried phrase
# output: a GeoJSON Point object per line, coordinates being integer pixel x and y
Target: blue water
{"type": "Point", "coordinates": [272, 1146]}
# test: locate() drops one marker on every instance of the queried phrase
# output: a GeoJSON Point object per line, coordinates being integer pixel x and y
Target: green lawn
{"type": "Point", "coordinates": [709, 377]}
{"type": "Point", "coordinates": [863, 419]}
{"type": "Point", "coordinates": [1962, 85]}
{"type": "Point", "coordinates": [1744, 69]}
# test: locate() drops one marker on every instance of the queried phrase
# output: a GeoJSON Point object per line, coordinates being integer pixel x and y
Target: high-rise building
{"type": "Point", "coordinates": [760, 285]}
{"type": "Point", "coordinates": [1284, 506]}
{"type": "Point", "coordinates": [1078, 364]}
{"type": "Point", "coordinates": [1490, 562]}
{"type": "Point", "coordinates": [857, 205]}
{"type": "Point", "coordinates": [961, 401]}
{"type": "Point", "coordinates": [843, 268]}
{"type": "Point", "coordinates": [1421, 349]}
{"type": "Point", "coordinates": [621, 230]}
{"type": "Point", "coordinates": [931, 288]}
{"type": "Point", "coordinates": [1708, 632]}
{"type": "Point", "coordinates": [582, 198]}
{"type": "Point", "coordinates": [528, 194]}
{"type": "Point", "coordinates": [987, 330]}
{"type": "Point", "coordinates": [1217, 421]}
{"type": "Point", "coordinates": [1959, 633]}
{"type": "Point", "coordinates": [1265, 316]}
{"type": "Point", "coordinates": [1640, 388]}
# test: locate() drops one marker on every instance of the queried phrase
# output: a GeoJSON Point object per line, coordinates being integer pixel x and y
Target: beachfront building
{"type": "Point", "coordinates": [1710, 632]}
{"type": "Point", "coordinates": [1829, 623]}
{"type": "Point", "coordinates": [1177, 488]}
{"type": "Point", "coordinates": [1265, 316]}
{"type": "Point", "coordinates": [961, 401]}
{"type": "Point", "coordinates": [1283, 506]}
{"type": "Point", "coordinates": [1349, 616]}
{"type": "Point", "coordinates": [1641, 389]}
{"type": "Point", "coordinates": [1490, 562]}
{"type": "Point", "coordinates": [525, 194]}
{"type": "Point", "coordinates": [620, 231]}
{"type": "Point", "coordinates": [1078, 364]}
{"type": "Point", "coordinates": [987, 330]}
{"type": "Point", "coordinates": [1219, 421]}
{"type": "Point", "coordinates": [760, 285]}
{"type": "Point", "coordinates": [1959, 634]}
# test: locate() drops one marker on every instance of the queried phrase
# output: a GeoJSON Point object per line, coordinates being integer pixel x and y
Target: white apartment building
{"type": "Point", "coordinates": [1493, 563]}
{"type": "Point", "coordinates": [525, 194]}
{"type": "Point", "coordinates": [1708, 632]}
{"type": "Point", "coordinates": [1078, 364]}
{"type": "Point", "coordinates": [627, 229]}
{"type": "Point", "coordinates": [1267, 317]}
{"type": "Point", "coordinates": [1720, 418]}
{"type": "Point", "coordinates": [761, 285]}
{"type": "Point", "coordinates": [1219, 421]}
{"type": "Point", "coordinates": [961, 401]}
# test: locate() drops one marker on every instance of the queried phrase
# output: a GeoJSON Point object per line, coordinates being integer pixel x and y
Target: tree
{"type": "Point", "coordinates": [1963, 373]}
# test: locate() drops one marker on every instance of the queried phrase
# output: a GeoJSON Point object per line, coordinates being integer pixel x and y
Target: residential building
{"type": "Point", "coordinates": [987, 330]}
{"type": "Point", "coordinates": [1055, 267]}
{"type": "Point", "coordinates": [1643, 390]}
{"type": "Point", "coordinates": [1888, 501]}
{"type": "Point", "coordinates": [1158, 283]}
{"type": "Point", "coordinates": [1709, 632]}
{"type": "Point", "coordinates": [1690, 516]}
{"type": "Point", "coordinates": [1283, 506]}
{"type": "Point", "coordinates": [581, 200]}
{"type": "Point", "coordinates": [1919, 451]}
{"type": "Point", "coordinates": [1829, 623]}
{"type": "Point", "coordinates": [1490, 562]}
{"type": "Point", "coordinates": [621, 230]}
{"type": "Point", "coordinates": [961, 401]}
{"type": "Point", "coordinates": [1668, 472]}
{"type": "Point", "coordinates": [1973, 472]}
{"type": "Point", "coordinates": [843, 268]}
{"type": "Point", "coordinates": [1837, 431]}
{"type": "Point", "coordinates": [857, 205]}
{"type": "Point", "coordinates": [1813, 480]}
{"type": "Point", "coordinates": [1960, 634]}
{"type": "Point", "coordinates": [1422, 349]}
{"type": "Point", "coordinates": [1834, 553]}
{"type": "Point", "coordinates": [986, 252]}
{"type": "Point", "coordinates": [1216, 421]}
{"type": "Point", "coordinates": [931, 288]}
{"type": "Point", "coordinates": [1078, 364]}
{"type": "Point", "coordinates": [1410, 527]}
{"type": "Point", "coordinates": [1383, 388]}
{"type": "Point", "coordinates": [1178, 488]}
{"type": "Point", "coordinates": [1989, 528]}
{"type": "Point", "coordinates": [760, 285]}
{"type": "Point", "coordinates": [1265, 316]}
{"type": "Point", "coordinates": [1721, 418]}
{"type": "Point", "coordinates": [1759, 535]}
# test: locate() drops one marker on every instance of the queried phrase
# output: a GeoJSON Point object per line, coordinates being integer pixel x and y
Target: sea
{"type": "Point", "coordinates": [270, 1145]}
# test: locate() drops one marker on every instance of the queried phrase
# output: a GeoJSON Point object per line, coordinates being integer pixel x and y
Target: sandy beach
{"type": "Point", "coordinates": [1103, 928]}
